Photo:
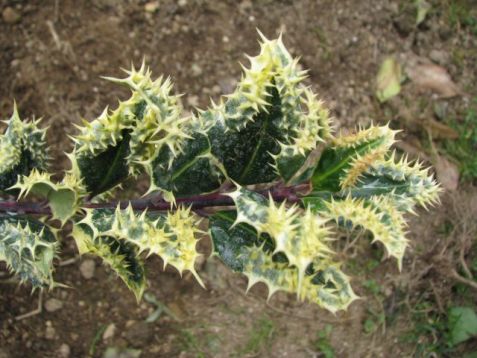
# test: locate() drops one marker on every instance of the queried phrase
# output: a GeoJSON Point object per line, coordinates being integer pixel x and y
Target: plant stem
{"type": "Point", "coordinates": [197, 202]}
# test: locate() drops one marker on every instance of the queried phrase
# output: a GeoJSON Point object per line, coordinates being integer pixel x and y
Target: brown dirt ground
{"type": "Point", "coordinates": [51, 60]}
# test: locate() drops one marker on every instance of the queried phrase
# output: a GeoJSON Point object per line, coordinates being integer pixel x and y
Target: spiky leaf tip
{"type": "Point", "coordinates": [328, 287]}
{"type": "Point", "coordinates": [22, 149]}
{"type": "Point", "coordinates": [172, 236]}
{"type": "Point", "coordinates": [121, 256]}
{"type": "Point", "coordinates": [410, 183]}
{"type": "Point", "coordinates": [64, 198]}
{"type": "Point", "coordinates": [378, 215]}
{"type": "Point", "coordinates": [302, 236]}
{"type": "Point", "coordinates": [28, 247]}
{"type": "Point", "coordinates": [348, 156]}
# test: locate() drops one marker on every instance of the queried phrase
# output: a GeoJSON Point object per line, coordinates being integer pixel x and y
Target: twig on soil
{"type": "Point", "coordinates": [454, 274]}
{"type": "Point", "coordinates": [68, 262]}
{"type": "Point", "coordinates": [35, 312]}
{"type": "Point", "coordinates": [62, 46]}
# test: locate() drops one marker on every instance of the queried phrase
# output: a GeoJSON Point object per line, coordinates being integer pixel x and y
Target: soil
{"type": "Point", "coordinates": [52, 54]}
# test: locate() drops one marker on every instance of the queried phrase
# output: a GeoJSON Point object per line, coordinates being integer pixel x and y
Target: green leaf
{"type": "Point", "coordinates": [171, 236]}
{"type": "Point", "coordinates": [379, 215]}
{"type": "Point", "coordinates": [105, 170]}
{"type": "Point", "coordinates": [406, 184]}
{"type": "Point", "coordinates": [462, 324]}
{"type": "Point", "coordinates": [263, 132]}
{"type": "Point", "coordinates": [63, 198]}
{"type": "Point", "coordinates": [246, 153]}
{"type": "Point", "coordinates": [229, 241]}
{"type": "Point", "coordinates": [240, 248]}
{"type": "Point", "coordinates": [342, 163]}
{"type": "Point", "coordinates": [28, 247]}
{"type": "Point", "coordinates": [192, 172]}
{"type": "Point", "coordinates": [120, 255]}
{"type": "Point", "coordinates": [22, 149]}
{"type": "Point", "coordinates": [118, 144]}
{"type": "Point", "coordinates": [388, 82]}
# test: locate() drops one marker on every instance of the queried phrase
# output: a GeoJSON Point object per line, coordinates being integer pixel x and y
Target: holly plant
{"type": "Point", "coordinates": [274, 184]}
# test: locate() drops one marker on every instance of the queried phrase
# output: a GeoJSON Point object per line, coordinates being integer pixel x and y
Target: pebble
{"type": "Point", "coordinates": [50, 332]}
{"type": "Point", "coordinates": [109, 332]}
{"type": "Point", "coordinates": [182, 3]}
{"type": "Point", "coordinates": [440, 57]}
{"type": "Point", "coordinates": [64, 351]}
{"type": "Point", "coordinates": [151, 6]}
{"type": "Point", "coordinates": [10, 16]}
{"type": "Point", "coordinates": [53, 305]}
{"type": "Point", "coordinates": [139, 334]}
{"type": "Point", "coordinates": [193, 101]}
{"type": "Point", "coordinates": [196, 70]}
{"type": "Point", "coordinates": [87, 269]}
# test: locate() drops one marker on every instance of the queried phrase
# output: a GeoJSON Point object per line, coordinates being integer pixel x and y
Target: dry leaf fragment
{"type": "Point", "coordinates": [434, 78]}
{"type": "Point", "coordinates": [423, 8]}
{"type": "Point", "coordinates": [388, 82]}
{"type": "Point", "coordinates": [440, 130]}
{"type": "Point", "coordinates": [447, 173]}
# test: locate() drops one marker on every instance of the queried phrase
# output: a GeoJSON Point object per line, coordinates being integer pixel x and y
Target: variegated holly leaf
{"type": "Point", "coordinates": [379, 215]}
{"type": "Point", "coordinates": [301, 236]}
{"type": "Point", "coordinates": [348, 156]}
{"type": "Point", "coordinates": [263, 132]}
{"type": "Point", "coordinates": [118, 143]}
{"type": "Point", "coordinates": [64, 198]}
{"type": "Point", "coordinates": [28, 247]}
{"type": "Point", "coordinates": [121, 256]}
{"type": "Point", "coordinates": [241, 248]}
{"type": "Point", "coordinates": [22, 149]}
{"type": "Point", "coordinates": [171, 236]}
{"type": "Point", "coordinates": [405, 183]}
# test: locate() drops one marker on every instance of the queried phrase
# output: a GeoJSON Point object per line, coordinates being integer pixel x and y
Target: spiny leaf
{"type": "Point", "coordinates": [379, 215]}
{"type": "Point", "coordinates": [171, 236]}
{"type": "Point", "coordinates": [63, 198]}
{"type": "Point", "coordinates": [28, 247]}
{"type": "Point", "coordinates": [342, 163]}
{"type": "Point", "coordinates": [240, 248]}
{"type": "Point", "coordinates": [22, 149]}
{"type": "Point", "coordinates": [302, 237]}
{"type": "Point", "coordinates": [119, 143]}
{"type": "Point", "coordinates": [120, 255]}
{"type": "Point", "coordinates": [263, 132]}
{"type": "Point", "coordinates": [406, 183]}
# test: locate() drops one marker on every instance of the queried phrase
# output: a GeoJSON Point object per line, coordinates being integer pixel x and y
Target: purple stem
{"type": "Point", "coordinates": [197, 202]}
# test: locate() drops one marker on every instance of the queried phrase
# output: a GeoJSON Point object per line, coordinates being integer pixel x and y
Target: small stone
{"type": "Point", "coordinates": [196, 70]}
{"type": "Point", "coordinates": [193, 101]}
{"type": "Point", "coordinates": [50, 332]}
{"type": "Point", "coordinates": [440, 57]}
{"type": "Point", "coordinates": [182, 3]}
{"type": "Point", "coordinates": [245, 5]}
{"type": "Point", "coordinates": [227, 85]}
{"type": "Point", "coordinates": [109, 332]}
{"type": "Point", "coordinates": [53, 305]}
{"type": "Point", "coordinates": [151, 6]}
{"type": "Point", "coordinates": [405, 21]}
{"type": "Point", "coordinates": [87, 269]}
{"type": "Point", "coordinates": [139, 334]}
{"type": "Point", "coordinates": [216, 89]}
{"type": "Point", "coordinates": [64, 351]}
{"type": "Point", "coordinates": [10, 16]}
